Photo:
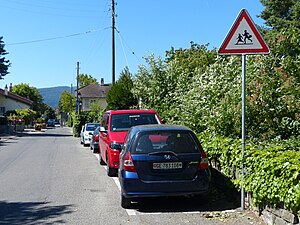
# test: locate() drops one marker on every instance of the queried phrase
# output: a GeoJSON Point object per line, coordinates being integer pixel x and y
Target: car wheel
{"type": "Point", "coordinates": [95, 150]}
{"type": "Point", "coordinates": [111, 172]}
{"type": "Point", "coordinates": [125, 202]}
{"type": "Point", "coordinates": [101, 160]}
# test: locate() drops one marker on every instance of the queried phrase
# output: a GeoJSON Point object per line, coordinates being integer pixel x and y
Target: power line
{"type": "Point", "coordinates": [59, 37]}
{"type": "Point", "coordinates": [122, 39]}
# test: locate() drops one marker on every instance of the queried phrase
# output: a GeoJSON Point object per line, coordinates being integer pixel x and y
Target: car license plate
{"type": "Point", "coordinates": [168, 165]}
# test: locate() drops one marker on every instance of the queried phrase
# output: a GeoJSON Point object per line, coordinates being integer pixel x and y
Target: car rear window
{"type": "Point", "coordinates": [121, 122]}
{"type": "Point", "coordinates": [176, 142]}
{"type": "Point", "coordinates": [92, 127]}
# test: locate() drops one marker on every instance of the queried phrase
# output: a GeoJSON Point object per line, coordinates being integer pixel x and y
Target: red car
{"type": "Point", "coordinates": [113, 129]}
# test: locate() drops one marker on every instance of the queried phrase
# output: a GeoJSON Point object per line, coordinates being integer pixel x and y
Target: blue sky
{"type": "Point", "coordinates": [45, 38]}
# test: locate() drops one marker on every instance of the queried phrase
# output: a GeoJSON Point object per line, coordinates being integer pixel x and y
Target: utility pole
{"type": "Point", "coordinates": [77, 76]}
{"type": "Point", "coordinates": [113, 41]}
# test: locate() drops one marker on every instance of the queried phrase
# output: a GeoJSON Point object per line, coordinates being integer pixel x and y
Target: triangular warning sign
{"type": "Point", "coordinates": [244, 38]}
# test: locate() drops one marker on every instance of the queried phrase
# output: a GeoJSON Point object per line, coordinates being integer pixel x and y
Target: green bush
{"type": "Point", "coordinates": [78, 120]}
{"type": "Point", "coordinates": [272, 169]}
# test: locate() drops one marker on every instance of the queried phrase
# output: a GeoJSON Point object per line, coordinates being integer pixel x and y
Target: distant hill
{"type": "Point", "coordinates": [51, 95]}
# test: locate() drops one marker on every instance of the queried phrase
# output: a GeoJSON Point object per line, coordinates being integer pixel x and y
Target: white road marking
{"type": "Point", "coordinates": [130, 212]}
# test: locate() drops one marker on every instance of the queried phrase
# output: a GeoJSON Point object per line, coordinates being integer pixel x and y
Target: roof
{"type": "Point", "coordinates": [16, 97]}
{"type": "Point", "coordinates": [132, 111]}
{"type": "Point", "coordinates": [160, 127]}
{"type": "Point", "coordinates": [94, 91]}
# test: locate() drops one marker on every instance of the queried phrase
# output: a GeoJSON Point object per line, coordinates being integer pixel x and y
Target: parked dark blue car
{"type": "Point", "coordinates": [162, 160]}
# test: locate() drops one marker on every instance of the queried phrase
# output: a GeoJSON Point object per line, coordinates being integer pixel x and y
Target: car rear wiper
{"type": "Point", "coordinates": [163, 153]}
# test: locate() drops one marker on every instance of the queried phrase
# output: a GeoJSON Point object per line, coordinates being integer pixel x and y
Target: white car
{"type": "Point", "coordinates": [87, 133]}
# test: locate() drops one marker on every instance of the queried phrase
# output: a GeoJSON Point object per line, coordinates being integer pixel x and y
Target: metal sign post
{"type": "Point", "coordinates": [243, 127]}
{"type": "Point", "coordinates": [243, 38]}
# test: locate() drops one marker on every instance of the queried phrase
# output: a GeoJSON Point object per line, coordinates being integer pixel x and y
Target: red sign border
{"type": "Point", "coordinates": [244, 14]}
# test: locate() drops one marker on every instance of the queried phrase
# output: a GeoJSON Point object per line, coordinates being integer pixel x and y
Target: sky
{"type": "Point", "coordinates": [46, 38]}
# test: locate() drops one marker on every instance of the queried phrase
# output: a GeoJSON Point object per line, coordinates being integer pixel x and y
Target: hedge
{"type": "Point", "coordinates": [272, 169]}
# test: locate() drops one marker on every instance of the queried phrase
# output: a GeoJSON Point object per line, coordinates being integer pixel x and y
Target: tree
{"type": "Point", "coordinates": [4, 63]}
{"type": "Point", "coordinates": [120, 95]}
{"type": "Point", "coordinates": [33, 94]}
{"type": "Point", "coordinates": [67, 102]}
{"type": "Point", "coordinates": [85, 79]}
{"type": "Point", "coordinates": [49, 113]}
{"type": "Point", "coordinates": [279, 14]}
{"type": "Point", "coordinates": [26, 114]}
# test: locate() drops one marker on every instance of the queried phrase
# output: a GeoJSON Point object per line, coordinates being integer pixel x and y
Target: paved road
{"type": "Point", "coordinates": [49, 178]}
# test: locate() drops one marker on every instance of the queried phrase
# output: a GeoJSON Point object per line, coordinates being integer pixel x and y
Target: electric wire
{"type": "Point", "coordinates": [59, 37]}
{"type": "Point", "coordinates": [123, 49]}
{"type": "Point", "coordinates": [132, 51]}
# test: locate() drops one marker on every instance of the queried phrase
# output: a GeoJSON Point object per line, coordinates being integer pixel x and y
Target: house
{"type": "Point", "coordinates": [10, 101]}
{"type": "Point", "coordinates": [92, 93]}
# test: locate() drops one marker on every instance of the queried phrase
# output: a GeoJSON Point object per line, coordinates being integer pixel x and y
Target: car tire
{"type": "Point", "coordinates": [102, 163]}
{"type": "Point", "coordinates": [125, 202]}
{"type": "Point", "coordinates": [111, 172]}
{"type": "Point", "coordinates": [95, 150]}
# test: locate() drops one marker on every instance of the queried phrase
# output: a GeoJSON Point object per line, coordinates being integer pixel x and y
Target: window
{"type": "Point", "coordinates": [179, 142]}
{"type": "Point", "coordinates": [121, 122]}
{"type": "Point", "coordinates": [2, 110]}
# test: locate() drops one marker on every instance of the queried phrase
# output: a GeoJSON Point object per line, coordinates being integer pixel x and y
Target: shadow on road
{"type": "Point", "coordinates": [216, 202]}
{"type": "Point", "coordinates": [221, 198]}
{"type": "Point", "coordinates": [32, 212]}
{"type": "Point", "coordinates": [44, 134]}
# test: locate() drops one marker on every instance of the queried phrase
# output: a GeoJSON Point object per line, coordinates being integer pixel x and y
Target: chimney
{"type": "Point", "coordinates": [6, 90]}
{"type": "Point", "coordinates": [10, 87]}
{"type": "Point", "coordinates": [102, 81]}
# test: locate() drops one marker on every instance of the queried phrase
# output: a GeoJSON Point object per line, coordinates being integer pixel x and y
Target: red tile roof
{"type": "Point", "coordinates": [16, 97]}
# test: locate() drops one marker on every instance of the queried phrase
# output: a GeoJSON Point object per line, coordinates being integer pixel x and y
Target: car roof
{"type": "Point", "coordinates": [91, 124]}
{"type": "Point", "coordinates": [159, 127]}
{"type": "Point", "coordinates": [131, 111]}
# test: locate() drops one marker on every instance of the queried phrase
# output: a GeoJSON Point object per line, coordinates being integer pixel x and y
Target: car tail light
{"type": "Point", "coordinates": [204, 161]}
{"type": "Point", "coordinates": [128, 163]}
{"type": "Point", "coordinates": [96, 137]}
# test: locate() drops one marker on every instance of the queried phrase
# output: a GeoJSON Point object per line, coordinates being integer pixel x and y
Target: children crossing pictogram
{"type": "Point", "coordinates": [242, 39]}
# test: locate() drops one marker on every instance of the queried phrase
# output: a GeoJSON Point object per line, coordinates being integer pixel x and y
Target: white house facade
{"type": "Point", "coordinates": [10, 101]}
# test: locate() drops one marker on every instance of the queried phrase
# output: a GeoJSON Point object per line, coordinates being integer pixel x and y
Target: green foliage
{"type": "Point", "coordinates": [26, 114]}
{"type": "Point", "coordinates": [67, 102]}
{"type": "Point", "coordinates": [272, 169]}
{"type": "Point", "coordinates": [4, 63]}
{"type": "Point", "coordinates": [33, 94]}
{"type": "Point", "coordinates": [79, 119]}
{"type": "Point", "coordinates": [273, 176]}
{"type": "Point", "coordinates": [49, 113]}
{"type": "Point", "coordinates": [85, 79]}
{"type": "Point", "coordinates": [281, 13]}
{"type": "Point", "coordinates": [120, 95]}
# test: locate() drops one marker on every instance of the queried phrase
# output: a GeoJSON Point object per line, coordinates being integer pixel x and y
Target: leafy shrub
{"type": "Point", "coordinates": [272, 169]}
